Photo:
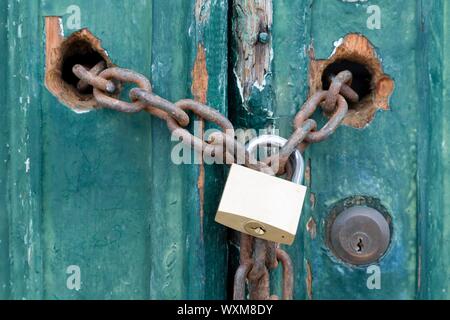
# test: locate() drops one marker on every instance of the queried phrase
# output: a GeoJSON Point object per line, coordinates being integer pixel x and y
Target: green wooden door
{"type": "Point", "coordinates": [97, 193]}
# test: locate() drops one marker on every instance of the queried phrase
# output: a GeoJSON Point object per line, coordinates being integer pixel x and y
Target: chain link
{"type": "Point", "coordinates": [90, 78]}
{"type": "Point", "coordinates": [257, 256]}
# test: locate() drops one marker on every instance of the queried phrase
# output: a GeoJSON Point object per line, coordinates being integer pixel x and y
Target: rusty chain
{"type": "Point", "coordinates": [257, 256]}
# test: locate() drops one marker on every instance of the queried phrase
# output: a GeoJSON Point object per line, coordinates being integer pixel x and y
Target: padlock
{"type": "Point", "coordinates": [261, 205]}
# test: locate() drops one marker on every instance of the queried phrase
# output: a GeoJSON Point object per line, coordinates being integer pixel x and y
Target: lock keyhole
{"type": "Point", "coordinates": [255, 228]}
{"type": "Point", "coordinates": [359, 235]}
{"type": "Point", "coordinates": [259, 231]}
{"type": "Point", "coordinates": [360, 245]}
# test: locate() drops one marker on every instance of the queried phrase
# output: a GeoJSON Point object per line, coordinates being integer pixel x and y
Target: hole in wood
{"type": "Point", "coordinates": [362, 78]}
{"type": "Point", "coordinates": [356, 54]}
{"type": "Point", "coordinates": [62, 54]}
{"type": "Point", "coordinates": [79, 52]}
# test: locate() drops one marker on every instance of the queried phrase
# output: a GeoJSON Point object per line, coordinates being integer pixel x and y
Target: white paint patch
{"type": "Point", "coordinates": [340, 270]}
{"type": "Point", "coordinates": [336, 44]}
{"type": "Point", "coordinates": [30, 254]}
{"type": "Point", "coordinates": [61, 27]}
{"type": "Point", "coordinates": [28, 237]}
{"type": "Point", "coordinates": [19, 31]}
{"type": "Point", "coordinates": [239, 85]}
{"type": "Point", "coordinates": [27, 165]}
{"type": "Point", "coordinates": [261, 86]}
{"type": "Point", "coordinates": [80, 111]}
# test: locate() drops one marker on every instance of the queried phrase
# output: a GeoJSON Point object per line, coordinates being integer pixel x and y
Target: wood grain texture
{"type": "Point", "coordinates": [23, 189]}
{"type": "Point", "coordinates": [251, 64]}
{"type": "Point", "coordinates": [433, 151]}
{"type": "Point", "coordinates": [4, 160]}
{"type": "Point", "coordinates": [211, 25]}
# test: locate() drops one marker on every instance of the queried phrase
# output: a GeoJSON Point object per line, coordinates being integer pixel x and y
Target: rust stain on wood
{"type": "Point", "coordinates": [311, 227]}
{"type": "Point", "coordinates": [53, 39]}
{"type": "Point", "coordinates": [200, 76]}
{"type": "Point", "coordinates": [308, 280]}
{"type": "Point", "coordinates": [308, 183]}
{"type": "Point", "coordinates": [199, 90]}
{"type": "Point", "coordinates": [356, 48]}
{"type": "Point", "coordinates": [312, 200]}
{"type": "Point", "coordinates": [308, 177]}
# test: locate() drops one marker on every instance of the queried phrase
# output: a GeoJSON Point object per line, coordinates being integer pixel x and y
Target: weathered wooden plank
{"type": "Point", "coordinates": [378, 161]}
{"type": "Point", "coordinates": [200, 254]}
{"type": "Point", "coordinates": [211, 44]}
{"type": "Point", "coordinates": [106, 196]}
{"type": "Point", "coordinates": [96, 177]}
{"type": "Point", "coordinates": [4, 158]}
{"type": "Point", "coordinates": [23, 177]}
{"type": "Point", "coordinates": [433, 155]}
{"type": "Point", "coordinates": [251, 93]}
{"type": "Point", "coordinates": [291, 40]}
{"type": "Point", "coordinates": [168, 232]}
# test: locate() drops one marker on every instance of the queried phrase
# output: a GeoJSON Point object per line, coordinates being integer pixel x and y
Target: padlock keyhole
{"type": "Point", "coordinates": [259, 231]}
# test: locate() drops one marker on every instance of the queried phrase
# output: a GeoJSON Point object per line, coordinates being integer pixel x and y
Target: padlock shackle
{"type": "Point", "coordinates": [296, 158]}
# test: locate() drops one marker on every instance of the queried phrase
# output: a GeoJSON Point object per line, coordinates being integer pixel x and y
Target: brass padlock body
{"type": "Point", "coordinates": [261, 205]}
